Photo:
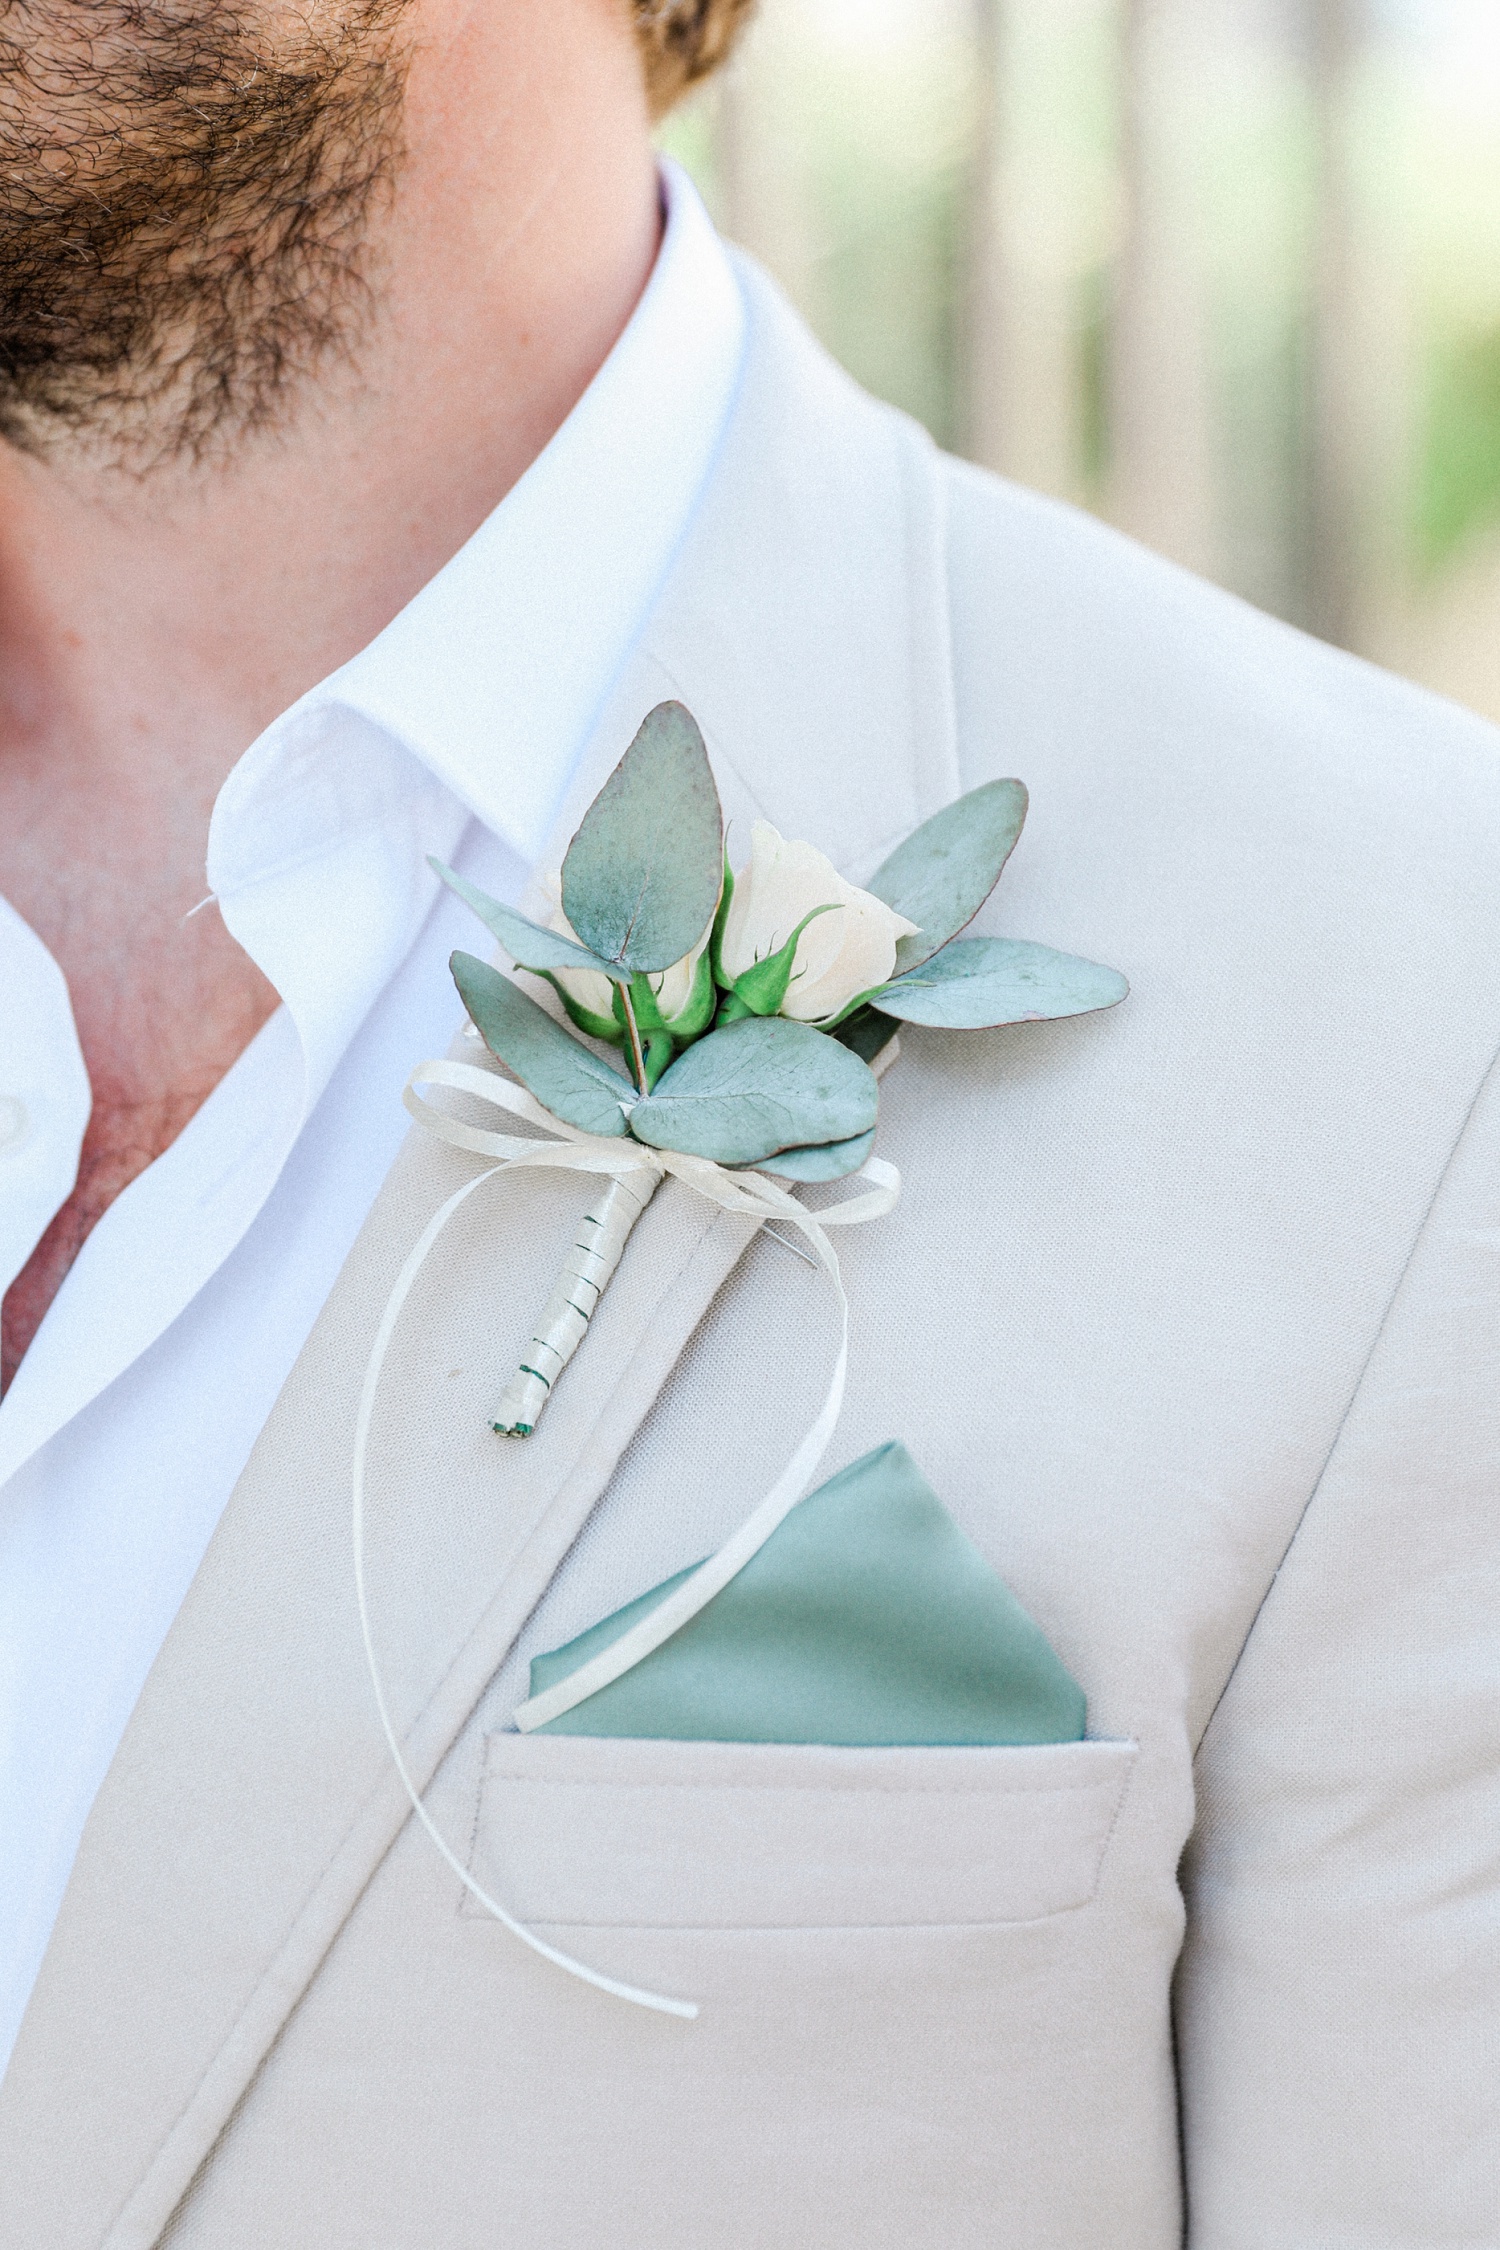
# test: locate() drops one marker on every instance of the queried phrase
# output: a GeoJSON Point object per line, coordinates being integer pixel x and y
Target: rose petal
{"type": "Point", "coordinates": [838, 955]}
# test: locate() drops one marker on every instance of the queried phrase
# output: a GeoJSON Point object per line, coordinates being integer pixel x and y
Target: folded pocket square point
{"type": "Point", "coordinates": [867, 1619]}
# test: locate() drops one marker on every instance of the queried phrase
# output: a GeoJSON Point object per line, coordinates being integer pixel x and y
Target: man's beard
{"type": "Point", "coordinates": [185, 197]}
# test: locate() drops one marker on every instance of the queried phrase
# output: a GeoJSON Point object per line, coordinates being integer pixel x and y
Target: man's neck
{"type": "Point", "coordinates": [152, 625]}
{"type": "Point", "coordinates": [521, 232]}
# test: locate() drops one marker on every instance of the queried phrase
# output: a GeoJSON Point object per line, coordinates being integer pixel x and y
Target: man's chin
{"type": "Point", "coordinates": [186, 203]}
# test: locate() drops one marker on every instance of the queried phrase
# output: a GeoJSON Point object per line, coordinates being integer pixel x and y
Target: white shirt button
{"type": "Point", "coordinates": [13, 1123]}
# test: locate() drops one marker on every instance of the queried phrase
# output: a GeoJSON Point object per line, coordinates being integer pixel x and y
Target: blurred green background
{"type": "Point", "coordinates": [1226, 272]}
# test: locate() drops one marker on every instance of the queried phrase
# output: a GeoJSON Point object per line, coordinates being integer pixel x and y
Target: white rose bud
{"type": "Point", "coordinates": [838, 956]}
{"type": "Point", "coordinates": [674, 986]}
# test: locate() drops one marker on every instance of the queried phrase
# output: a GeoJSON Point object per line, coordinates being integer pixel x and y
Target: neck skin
{"type": "Point", "coordinates": [151, 627]}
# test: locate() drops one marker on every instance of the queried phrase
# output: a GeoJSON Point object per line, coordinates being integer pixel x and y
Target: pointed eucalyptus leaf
{"type": "Point", "coordinates": [943, 873]}
{"type": "Point", "coordinates": [755, 1087]}
{"type": "Point", "coordinates": [564, 1076]}
{"type": "Point", "coordinates": [527, 943]}
{"type": "Point", "coordinates": [642, 876]}
{"type": "Point", "coordinates": [830, 1162]}
{"type": "Point", "coordinates": [979, 982]}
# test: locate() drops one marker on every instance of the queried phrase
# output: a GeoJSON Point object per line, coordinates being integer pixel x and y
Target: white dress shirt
{"type": "Point", "coordinates": [455, 732]}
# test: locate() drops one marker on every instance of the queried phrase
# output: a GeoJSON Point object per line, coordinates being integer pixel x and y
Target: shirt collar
{"type": "Point", "coordinates": [495, 673]}
{"type": "Point", "coordinates": [476, 700]}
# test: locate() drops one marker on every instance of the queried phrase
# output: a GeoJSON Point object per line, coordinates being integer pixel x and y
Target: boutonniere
{"type": "Point", "coordinates": [734, 1018]}
{"type": "Point", "coordinates": [728, 1029]}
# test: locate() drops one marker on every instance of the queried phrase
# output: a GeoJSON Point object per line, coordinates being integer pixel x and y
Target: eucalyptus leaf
{"type": "Point", "coordinates": [946, 869]}
{"type": "Point", "coordinates": [978, 982]}
{"type": "Point", "coordinates": [564, 1076]}
{"type": "Point", "coordinates": [755, 1087]}
{"type": "Point", "coordinates": [830, 1162]}
{"type": "Point", "coordinates": [527, 943]}
{"type": "Point", "coordinates": [642, 876]}
{"type": "Point", "coordinates": [867, 1032]}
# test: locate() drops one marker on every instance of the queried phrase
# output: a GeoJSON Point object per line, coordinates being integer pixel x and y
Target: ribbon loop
{"type": "Point", "coordinates": [745, 1194]}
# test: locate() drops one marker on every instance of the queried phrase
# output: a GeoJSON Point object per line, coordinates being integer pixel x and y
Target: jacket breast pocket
{"type": "Point", "coordinates": [930, 1984]}
{"type": "Point", "coordinates": [578, 1832]}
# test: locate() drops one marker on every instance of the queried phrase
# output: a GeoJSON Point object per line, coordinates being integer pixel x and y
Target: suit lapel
{"type": "Point", "coordinates": [805, 620]}
{"type": "Point", "coordinates": [806, 623]}
{"type": "Point", "coordinates": [252, 1798]}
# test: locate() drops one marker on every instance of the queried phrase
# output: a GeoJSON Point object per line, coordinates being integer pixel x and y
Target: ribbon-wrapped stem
{"type": "Point", "coordinates": [748, 1195]}
{"type": "Point", "coordinates": [598, 1246]}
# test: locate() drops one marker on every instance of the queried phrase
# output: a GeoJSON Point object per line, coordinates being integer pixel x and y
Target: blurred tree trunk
{"type": "Point", "coordinates": [1161, 478]}
{"type": "Point", "coordinates": [985, 314]}
{"type": "Point", "coordinates": [1335, 525]}
{"type": "Point", "coordinates": [761, 167]}
{"type": "Point", "coordinates": [1022, 408]}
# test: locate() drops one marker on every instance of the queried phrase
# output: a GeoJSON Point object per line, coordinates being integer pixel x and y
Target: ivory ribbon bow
{"type": "Point", "coordinates": [748, 1195]}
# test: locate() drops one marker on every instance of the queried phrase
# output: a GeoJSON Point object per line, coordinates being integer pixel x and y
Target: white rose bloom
{"type": "Point", "coordinates": [838, 955]}
{"type": "Point", "coordinates": [673, 987]}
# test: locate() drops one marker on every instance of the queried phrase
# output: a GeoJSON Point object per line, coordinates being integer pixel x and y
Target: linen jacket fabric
{"type": "Point", "coordinates": [1189, 1315]}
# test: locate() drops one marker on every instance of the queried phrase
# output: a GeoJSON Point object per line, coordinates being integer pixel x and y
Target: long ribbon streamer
{"type": "Point", "coordinates": [747, 1194]}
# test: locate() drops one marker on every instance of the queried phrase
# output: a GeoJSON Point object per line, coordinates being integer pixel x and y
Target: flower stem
{"type": "Point", "coordinates": [597, 1249]}
{"type": "Point", "coordinates": [637, 1058]}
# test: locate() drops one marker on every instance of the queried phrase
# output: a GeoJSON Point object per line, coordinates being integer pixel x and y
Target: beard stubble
{"type": "Point", "coordinates": [186, 191]}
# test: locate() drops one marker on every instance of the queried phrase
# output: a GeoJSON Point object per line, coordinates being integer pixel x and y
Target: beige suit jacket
{"type": "Point", "coordinates": [1190, 1313]}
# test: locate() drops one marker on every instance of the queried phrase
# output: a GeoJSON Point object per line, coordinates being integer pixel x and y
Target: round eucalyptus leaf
{"type": "Point", "coordinates": [642, 876]}
{"type": "Point", "coordinates": [979, 982]}
{"type": "Point", "coordinates": [564, 1076]}
{"type": "Point", "coordinates": [946, 869]}
{"type": "Point", "coordinates": [831, 1162]}
{"type": "Point", "coordinates": [757, 1086]}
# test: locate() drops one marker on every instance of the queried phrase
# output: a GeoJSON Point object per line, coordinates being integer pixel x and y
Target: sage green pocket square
{"type": "Point", "coordinates": [867, 1618]}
